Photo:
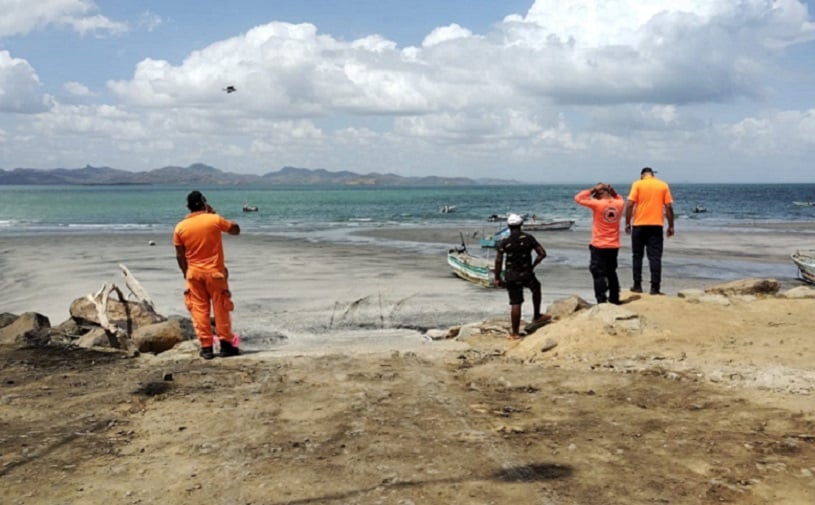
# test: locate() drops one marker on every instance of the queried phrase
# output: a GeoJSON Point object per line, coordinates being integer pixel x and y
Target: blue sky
{"type": "Point", "coordinates": [541, 91]}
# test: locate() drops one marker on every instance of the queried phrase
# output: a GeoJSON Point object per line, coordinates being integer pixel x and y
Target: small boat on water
{"type": "Point", "coordinates": [805, 261]}
{"type": "Point", "coordinates": [249, 208]}
{"type": "Point", "coordinates": [699, 209]}
{"type": "Point", "coordinates": [804, 204]}
{"type": "Point", "coordinates": [446, 209]}
{"type": "Point", "coordinates": [563, 224]}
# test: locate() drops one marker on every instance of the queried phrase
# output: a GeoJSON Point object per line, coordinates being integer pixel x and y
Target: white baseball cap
{"type": "Point", "coordinates": [515, 220]}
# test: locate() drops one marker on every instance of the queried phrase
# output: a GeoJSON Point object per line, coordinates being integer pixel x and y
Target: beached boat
{"type": "Point", "coordinates": [563, 224]}
{"type": "Point", "coordinates": [475, 269]}
{"type": "Point", "coordinates": [805, 261]}
{"type": "Point", "coordinates": [804, 204]}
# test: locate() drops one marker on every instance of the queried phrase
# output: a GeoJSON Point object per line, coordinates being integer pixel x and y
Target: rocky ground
{"type": "Point", "coordinates": [662, 400]}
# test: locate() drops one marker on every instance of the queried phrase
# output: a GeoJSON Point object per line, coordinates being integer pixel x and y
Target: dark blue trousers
{"type": "Point", "coordinates": [647, 239]}
{"type": "Point", "coordinates": [603, 268]}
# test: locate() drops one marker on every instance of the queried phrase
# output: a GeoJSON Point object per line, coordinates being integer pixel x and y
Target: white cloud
{"type": "Point", "coordinates": [21, 17]}
{"type": "Point", "coordinates": [588, 82]}
{"type": "Point", "coordinates": [77, 88]}
{"type": "Point", "coordinates": [19, 87]}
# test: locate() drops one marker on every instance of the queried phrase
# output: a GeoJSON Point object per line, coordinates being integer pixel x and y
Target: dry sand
{"type": "Point", "coordinates": [706, 403]}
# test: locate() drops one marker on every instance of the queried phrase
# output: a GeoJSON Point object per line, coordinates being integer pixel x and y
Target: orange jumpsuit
{"type": "Point", "coordinates": [206, 277]}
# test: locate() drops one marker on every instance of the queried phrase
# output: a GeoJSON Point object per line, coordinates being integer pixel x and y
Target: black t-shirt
{"type": "Point", "coordinates": [517, 249]}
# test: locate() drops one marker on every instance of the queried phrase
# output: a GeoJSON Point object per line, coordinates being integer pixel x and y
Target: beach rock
{"type": "Point", "coordinates": [715, 298]}
{"type": "Point", "coordinates": [691, 295]}
{"type": "Point", "coordinates": [565, 307]}
{"type": "Point", "coordinates": [121, 314]}
{"type": "Point", "coordinates": [437, 334]}
{"type": "Point", "coordinates": [615, 319]}
{"type": "Point", "coordinates": [6, 318]}
{"type": "Point", "coordinates": [97, 337]}
{"type": "Point", "coordinates": [163, 336]}
{"type": "Point", "coordinates": [745, 287]}
{"type": "Point", "coordinates": [799, 292]}
{"type": "Point", "coordinates": [30, 328]}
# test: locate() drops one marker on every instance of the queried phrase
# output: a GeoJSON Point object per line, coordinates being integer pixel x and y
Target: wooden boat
{"type": "Point", "coordinates": [471, 268]}
{"type": "Point", "coordinates": [805, 261]}
{"type": "Point", "coordinates": [563, 224]}
{"type": "Point", "coordinates": [804, 204]}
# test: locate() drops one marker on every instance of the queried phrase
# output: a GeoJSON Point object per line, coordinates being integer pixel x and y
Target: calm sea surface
{"type": "Point", "coordinates": [139, 209]}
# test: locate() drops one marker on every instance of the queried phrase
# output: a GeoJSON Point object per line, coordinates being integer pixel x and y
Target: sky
{"type": "Point", "coordinates": [546, 91]}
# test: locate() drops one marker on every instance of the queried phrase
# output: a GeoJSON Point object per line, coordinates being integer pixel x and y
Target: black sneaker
{"type": "Point", "coordinates": [206, 353]}
{"type": "Point", "coordinates": [636, 288]}
{"type": "Point", "coordinates": [227, 349]}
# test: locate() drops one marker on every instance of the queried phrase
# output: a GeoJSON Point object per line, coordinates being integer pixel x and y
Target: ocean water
{"type": "Point", "coordinates": [325, 211]}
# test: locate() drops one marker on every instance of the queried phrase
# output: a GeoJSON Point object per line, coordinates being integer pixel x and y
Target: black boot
{"type": "Point", "coordinates": [227, 349]}
{"type": "Point", "coordinates": [206, 353]}
{"type": "Point", "coordinates": [636, 288]}
{"type": "Point", "coordinates": [655, 289]}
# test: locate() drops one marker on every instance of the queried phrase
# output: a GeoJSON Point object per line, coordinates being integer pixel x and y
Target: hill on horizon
{"type": "Point", "coordinates": [199, 173]}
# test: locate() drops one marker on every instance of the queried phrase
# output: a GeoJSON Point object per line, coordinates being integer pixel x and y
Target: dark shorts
{"type": "Point", "coordinates": [516, 289]}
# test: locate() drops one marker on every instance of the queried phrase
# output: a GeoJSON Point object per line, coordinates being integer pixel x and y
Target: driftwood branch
{"type": "Point", "coordinates": [100, 301]}
{"type": "Point", "coordinates": [136, 288]}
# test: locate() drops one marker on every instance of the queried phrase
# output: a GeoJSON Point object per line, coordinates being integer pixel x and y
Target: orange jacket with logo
{"type": "Point", "coordinates": [607, 212]}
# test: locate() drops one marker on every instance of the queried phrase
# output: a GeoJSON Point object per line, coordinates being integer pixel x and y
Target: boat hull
{"type": "Point", "coordinates": [549, 225]}
{"type": "Point", "coordinates": [472, 268]}
{"type": "Point", "coordinates": [805, 261]}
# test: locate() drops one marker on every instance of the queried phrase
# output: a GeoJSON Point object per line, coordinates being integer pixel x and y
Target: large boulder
{"type": "Point", "coordinates": [163, 336]}
{"type": "Point", "coordinates": [30, 328]}
{"type": "Point", "coordinates": [745, 287]}
{"type": "Point", "coordinates": [128, 315]}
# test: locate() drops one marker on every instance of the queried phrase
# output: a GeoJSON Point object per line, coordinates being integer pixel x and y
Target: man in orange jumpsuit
{"type": "Point", "coordinates": [607, 209]}
{"type": "Point", "coordinates": [650, 203]}
{"type": "Point", "coordinates": [200, 255]}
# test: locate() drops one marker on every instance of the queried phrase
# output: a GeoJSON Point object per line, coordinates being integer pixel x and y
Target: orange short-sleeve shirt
{"type": "Point", "coordinates": [650, 195]}
{"type": "Point", "coordinates": [200, 234]}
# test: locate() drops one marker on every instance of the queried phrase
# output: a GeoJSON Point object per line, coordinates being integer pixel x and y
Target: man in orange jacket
{"type": "Point", "coordinates": [607, 209]}
{"type": "Point", "coordinates": [200, 255]}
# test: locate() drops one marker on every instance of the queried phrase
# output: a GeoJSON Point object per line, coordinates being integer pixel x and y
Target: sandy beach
{"type": "Point", "coordinates": [340, 399]}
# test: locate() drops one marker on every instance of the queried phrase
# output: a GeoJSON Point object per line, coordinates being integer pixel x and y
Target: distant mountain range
{"type": "Point", "coordinates": [205, 175]}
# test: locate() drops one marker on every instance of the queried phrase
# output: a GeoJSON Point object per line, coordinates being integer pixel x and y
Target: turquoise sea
{"type": "Point", "coordinates": [135, 209]}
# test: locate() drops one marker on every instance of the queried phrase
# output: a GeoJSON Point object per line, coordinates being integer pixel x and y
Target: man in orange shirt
{"type": "Point", "coordinates": [200, 255]}
{"type": "Point", "coordinates": [650, 203]}
{"type": "Point", "coordinates": [607, 209]}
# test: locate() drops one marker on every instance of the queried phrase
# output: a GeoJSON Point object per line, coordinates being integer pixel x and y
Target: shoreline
{"type": "Point", "coordinates": [299, 293]}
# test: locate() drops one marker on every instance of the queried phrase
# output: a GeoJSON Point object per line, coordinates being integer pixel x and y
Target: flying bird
{"type": "Point", "coordinates": [230, 89]}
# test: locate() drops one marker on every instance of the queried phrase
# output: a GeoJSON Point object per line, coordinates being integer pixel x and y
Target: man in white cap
{"type": "Point", "coordinates": [520, 272]}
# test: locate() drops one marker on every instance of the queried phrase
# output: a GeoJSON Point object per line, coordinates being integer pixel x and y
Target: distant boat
{"type": "Point", "coordinates": [249, 208]}
{"type": "Point", "coordinates": [446, 209]}
{"type": "Point", "coordinates": [805, 261]}
{"type": "Point", "coordinates": [804, 204]}
{"type": "Point", "coordinates": [699, 209]}
{"type": "Point", "coordinates": [563, 224]}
